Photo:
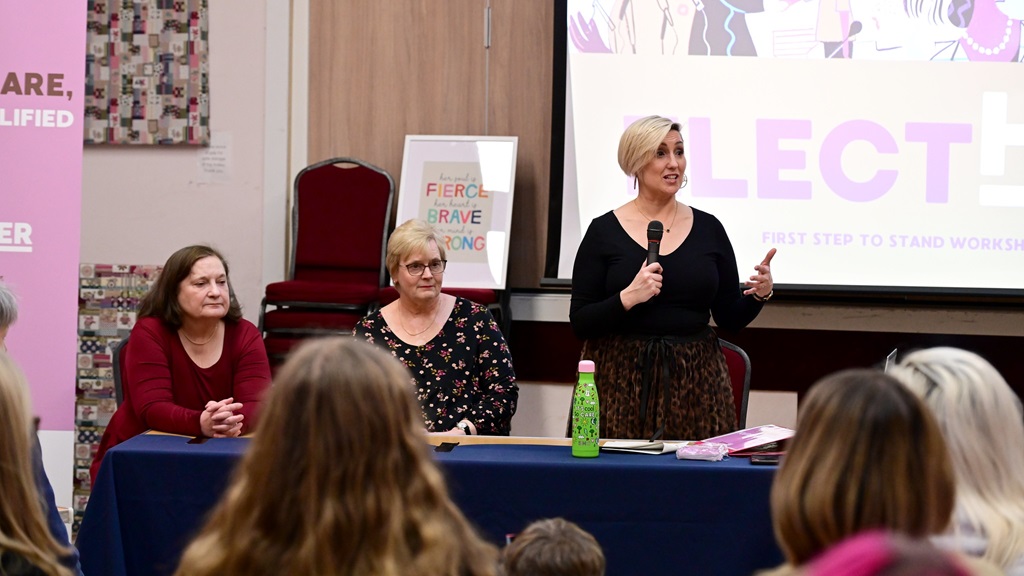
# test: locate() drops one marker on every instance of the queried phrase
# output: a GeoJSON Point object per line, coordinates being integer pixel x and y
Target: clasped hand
{"type": "Point", "coordinates": [218, 419]}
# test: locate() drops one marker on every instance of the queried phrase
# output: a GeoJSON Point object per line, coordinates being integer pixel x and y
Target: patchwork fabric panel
{"type": "Point", "coordinates": [108, 299]}
{"type": "Point", "coordinates": [147, 72]}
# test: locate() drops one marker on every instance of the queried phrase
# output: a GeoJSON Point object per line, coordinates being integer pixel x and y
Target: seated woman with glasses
{"type": "Point", "coordinates": [460, 364]}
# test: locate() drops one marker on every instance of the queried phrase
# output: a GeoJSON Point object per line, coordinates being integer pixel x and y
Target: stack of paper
{"type": "Point", "coordinates": [642, 446]}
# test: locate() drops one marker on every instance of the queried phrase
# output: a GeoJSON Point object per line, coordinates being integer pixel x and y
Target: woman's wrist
{"type": "Point", "coordinates": [626, 301]}
{"type": "Point", "coordinates": [763, 299]}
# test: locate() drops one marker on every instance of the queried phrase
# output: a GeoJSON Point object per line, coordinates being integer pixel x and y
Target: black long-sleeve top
{"type": "Point", "coordinates": [700, 281]}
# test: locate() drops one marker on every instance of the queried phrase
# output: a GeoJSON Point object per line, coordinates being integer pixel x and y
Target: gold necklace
{"type": "Point", "coordinates": [670, 224]}
{"type": "Point", "coordinates": [214, 333]}
{"type": "Point", "coordinates": [432, 322]}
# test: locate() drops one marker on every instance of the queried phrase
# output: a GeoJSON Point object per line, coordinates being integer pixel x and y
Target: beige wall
{"type": "Point", "coordinates": [141, 203]}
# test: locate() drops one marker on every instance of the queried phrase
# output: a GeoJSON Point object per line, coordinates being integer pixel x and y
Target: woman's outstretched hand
{"type": "Point", "coordinates": [761, 283]}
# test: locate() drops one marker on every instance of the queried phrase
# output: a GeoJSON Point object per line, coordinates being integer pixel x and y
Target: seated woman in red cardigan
{"type": "Point", "coordinates": [193, 365]}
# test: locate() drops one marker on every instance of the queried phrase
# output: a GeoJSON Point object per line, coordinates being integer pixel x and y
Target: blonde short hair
{"type": "Point", "coordinates": [412, 236]}
{"type": "Point", "coordinates": [640, 141]}
{"type": "Point", "coordinates": [983, 423]}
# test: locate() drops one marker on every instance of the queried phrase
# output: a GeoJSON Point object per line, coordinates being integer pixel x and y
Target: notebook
{"type": "Point", "coordinates": [757, 440]}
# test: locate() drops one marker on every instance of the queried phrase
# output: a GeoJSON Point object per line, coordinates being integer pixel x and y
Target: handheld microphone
{"type": "Point", "coordinates": [655, 230]}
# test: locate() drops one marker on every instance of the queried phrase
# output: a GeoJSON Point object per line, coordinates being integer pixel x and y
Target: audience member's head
{"type": "Point", "coordinates": [982, 421]}
{"type": "Point", "coordinates": [879, 553]}
{"type": "Point", "coordinates": [553, 547]}
{"type": "Point", "coordinates": [25, 540]}
{"type": "Point", "coordinates": [162, 300]}
{"type": "Point", "coordinates": [8, 313]}
{"type": "Point", "coordinates": [339, 480]}
{"type": "Point", "coordinates": [866, 455]}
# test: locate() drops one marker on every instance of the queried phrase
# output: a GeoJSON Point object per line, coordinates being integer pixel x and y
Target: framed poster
{"type": "Point", "coordinates": [463, 186]}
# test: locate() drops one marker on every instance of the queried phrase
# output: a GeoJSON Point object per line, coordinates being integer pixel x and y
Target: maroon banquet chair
{"type": "Point", "coordinates": [118, 361]}
{"type": "Point", "coordinates": [340, 213]}
{"type": "Point", "coordinates": [739, 375]}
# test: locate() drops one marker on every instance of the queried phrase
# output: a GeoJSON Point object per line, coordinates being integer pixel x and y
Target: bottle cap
{"type": "Point", "coordinates": [587, 366]}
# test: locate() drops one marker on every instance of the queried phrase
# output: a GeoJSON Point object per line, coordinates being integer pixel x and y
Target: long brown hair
{"type": "Point", "coordinates": [162, 299]}
{"type": "Point", "coordinates": [23, 529]}
{"type": "Point", "coordinates": [339, 480]}
{"type": "Point", "coordinates": [867, 454]}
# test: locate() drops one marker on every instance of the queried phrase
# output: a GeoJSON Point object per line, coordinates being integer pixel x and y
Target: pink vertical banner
{"type": "Point", "coordinates": [42, 83]}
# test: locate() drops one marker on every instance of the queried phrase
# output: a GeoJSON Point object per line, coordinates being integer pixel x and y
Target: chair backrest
{"type": "Point", "coordinates": [118, 363]}
{"type": "Point", "coordinates": [340, 213]}
{"type": "Point", "coordinates": [739, 375]}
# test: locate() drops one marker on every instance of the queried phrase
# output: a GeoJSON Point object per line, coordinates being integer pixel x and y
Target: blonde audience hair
{"type": "Point", "coordinates": [553, 547]}
{"type": "Point", "coordinates": [867, 454]}
{"type": "Point", "coordinates": [641, 140]}
{"type": "Point", "coordinates": [339, 480]}
{"type": "Point", "coordinates": [412, 236]}
{"type": "Point", "coordinates": [983, 423]}
{"type": "Point", "coordinates": [23, 529]}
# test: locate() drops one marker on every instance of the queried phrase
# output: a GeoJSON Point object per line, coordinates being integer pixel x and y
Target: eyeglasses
{"type": "Point", "coordinates": [436, 267]}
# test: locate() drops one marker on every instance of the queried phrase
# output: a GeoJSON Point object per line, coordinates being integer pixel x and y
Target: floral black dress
{"type": "Point", "coordinates": [464, 372]}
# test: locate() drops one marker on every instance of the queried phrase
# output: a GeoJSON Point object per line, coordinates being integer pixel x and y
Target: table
{"type": "Point", "coordinates": [149, 499]}
{"type": "Point", "coordinates": [651, 514]}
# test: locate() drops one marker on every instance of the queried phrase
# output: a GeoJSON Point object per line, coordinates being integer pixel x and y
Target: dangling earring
{"type": "Point", "coordinates": [685, 182]}
{"type": "Point", "coordinates": [635, 179]}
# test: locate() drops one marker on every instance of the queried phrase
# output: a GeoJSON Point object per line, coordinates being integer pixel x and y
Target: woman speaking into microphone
{"type": "Point", "coordinates": [646, 324]}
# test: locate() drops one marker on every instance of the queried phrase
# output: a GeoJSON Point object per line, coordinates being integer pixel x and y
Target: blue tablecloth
{"type": "Point", "coordinates": [651, 514]}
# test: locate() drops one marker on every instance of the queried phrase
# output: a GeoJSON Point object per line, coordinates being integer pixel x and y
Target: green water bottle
{"type": "Point", "coordinates": [586, 414]}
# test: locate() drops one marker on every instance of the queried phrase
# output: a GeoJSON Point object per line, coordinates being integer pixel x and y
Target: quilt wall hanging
{"type": "Point", "coordinates": [147, 72]}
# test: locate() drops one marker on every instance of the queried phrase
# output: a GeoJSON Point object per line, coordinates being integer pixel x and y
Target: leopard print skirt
{"type": "Point", "coordinates": [680, 386]}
